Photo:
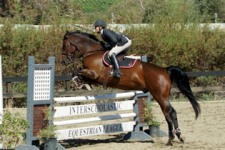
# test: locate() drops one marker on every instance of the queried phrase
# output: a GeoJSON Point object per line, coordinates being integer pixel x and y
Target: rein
{"type": "Point", "coordinates": [91, 52]}
{"type": "Point", "coordinates": [86, 54]}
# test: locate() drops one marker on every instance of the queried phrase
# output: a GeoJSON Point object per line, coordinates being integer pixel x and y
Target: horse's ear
{"type": "Point", "coordinates": [65, 36]}
{"type": "Point", "coordinates": [67, 32]}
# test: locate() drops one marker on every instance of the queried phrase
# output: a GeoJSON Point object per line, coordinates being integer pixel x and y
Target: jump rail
{"type": "Point", "coordinates": [135, 127]}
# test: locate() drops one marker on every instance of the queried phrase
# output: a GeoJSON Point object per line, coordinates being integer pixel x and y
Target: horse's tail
{"type": "Point", "coordinates": [183, 85]}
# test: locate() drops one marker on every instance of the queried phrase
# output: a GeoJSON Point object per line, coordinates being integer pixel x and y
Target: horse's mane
{"type": "Point", "coordinates": [91, 36]}
{"type": "Point", "coordinates": [88, 35]}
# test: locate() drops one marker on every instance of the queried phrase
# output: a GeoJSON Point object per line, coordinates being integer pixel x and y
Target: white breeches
{"type": "Point", "coordinates": [119, 49]}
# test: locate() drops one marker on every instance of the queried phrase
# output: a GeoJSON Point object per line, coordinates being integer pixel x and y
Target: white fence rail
{"type": "Point", "coordinates": [119, 27]}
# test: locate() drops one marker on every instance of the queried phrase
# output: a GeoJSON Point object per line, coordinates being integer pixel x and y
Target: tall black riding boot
{"type": "Point", "coordinates": [116, 67]}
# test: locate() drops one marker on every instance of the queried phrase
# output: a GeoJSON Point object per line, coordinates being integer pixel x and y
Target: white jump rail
{"type": "Point", "coordinates": [76, 133]}
{"type": "Point", "coordinates": [87, 109]}
{"type": "Point", "coordinates": [89, 98]}
{"type": "Point", "coordinates": [94, 119]}
{"type": "Point", "coordinates": [73, 110]}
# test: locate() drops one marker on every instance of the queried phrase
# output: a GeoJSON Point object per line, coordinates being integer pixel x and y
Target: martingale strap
{"type": "Point", "coordinates": [124, 63]}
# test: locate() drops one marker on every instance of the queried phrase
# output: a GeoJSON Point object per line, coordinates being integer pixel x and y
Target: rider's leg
{"type": "Point", "coordinates": [119, 49]}
{"type": "Point", "coordinates": [116, 71]}
{"type": "Point", "coordinates": [112, 55]}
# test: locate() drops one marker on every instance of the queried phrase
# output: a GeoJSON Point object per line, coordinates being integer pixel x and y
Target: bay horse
{"type": "Point", "coordinates": [142, 76]}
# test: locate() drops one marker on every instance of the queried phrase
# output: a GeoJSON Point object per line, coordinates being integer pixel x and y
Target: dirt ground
{"type": "Point", "coordinates": [207, 132]}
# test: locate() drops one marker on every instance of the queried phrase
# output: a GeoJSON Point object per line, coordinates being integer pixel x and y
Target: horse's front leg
{"type": "Point", "coordinates": [91, 74]}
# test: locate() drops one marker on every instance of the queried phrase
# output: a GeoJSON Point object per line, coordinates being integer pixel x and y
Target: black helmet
{"type": "Point", "coordinates": [100, 23]}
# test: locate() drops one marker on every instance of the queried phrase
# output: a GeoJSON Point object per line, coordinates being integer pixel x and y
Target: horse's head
{"type": "Point", "coordinates": [85, 43]}
{"type": "Point", "coordinates": [69, 48]}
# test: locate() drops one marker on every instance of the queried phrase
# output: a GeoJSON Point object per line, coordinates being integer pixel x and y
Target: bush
{"type": "Point", "coordinates": [192, 48]}
{"type": "Point", "coordinates": [12, 130]}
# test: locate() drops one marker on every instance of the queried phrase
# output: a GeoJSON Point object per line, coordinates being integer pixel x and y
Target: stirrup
{"type": "Point", "coordinates": [113, 73]}
{"type": "Point", "coordinates": [117, 73]}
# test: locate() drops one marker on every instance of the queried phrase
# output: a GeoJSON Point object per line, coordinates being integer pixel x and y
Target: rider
{"type": "Point", "coordinates": [117, 41]}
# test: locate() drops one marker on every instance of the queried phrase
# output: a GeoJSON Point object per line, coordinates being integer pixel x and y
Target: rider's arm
{"type": "Point", "coordinates": [110, 37]}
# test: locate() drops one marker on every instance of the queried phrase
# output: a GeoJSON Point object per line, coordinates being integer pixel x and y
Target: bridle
{"type": "Point", "coordinates": [66, 52]}
{"type": "Point", "coordinates": [69, 55]}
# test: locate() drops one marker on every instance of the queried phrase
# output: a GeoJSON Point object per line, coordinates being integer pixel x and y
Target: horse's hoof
{"type": "Point", "coordinates": [169, 144]}
{"type": "Point", "coordinates": [181, 139]}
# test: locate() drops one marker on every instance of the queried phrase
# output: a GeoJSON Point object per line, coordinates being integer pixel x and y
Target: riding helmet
{"type": "Point", "coordinates": [100, 22]}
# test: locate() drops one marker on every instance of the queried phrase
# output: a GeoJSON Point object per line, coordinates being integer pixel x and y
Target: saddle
{"type": "Point", "coordinates": [124, 62]}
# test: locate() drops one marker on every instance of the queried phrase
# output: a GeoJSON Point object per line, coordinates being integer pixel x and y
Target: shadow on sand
{"type": "Point", "coordinates": [111, 139]}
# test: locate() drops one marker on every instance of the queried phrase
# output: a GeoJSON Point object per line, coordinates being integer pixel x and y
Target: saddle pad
{"type": "Point", "coordinates": [125, 63]}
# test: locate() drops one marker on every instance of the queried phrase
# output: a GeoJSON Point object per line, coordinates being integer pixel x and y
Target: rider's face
{"type": "Point", "coordinates": [97, 29]}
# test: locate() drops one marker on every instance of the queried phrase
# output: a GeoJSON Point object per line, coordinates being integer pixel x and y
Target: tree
{"type": "Point", "coordinates": [5, 7]}
{"type": "Point", "coordinates": [39, 11]}
{"type": "Point", "coordinates": [128, 11]}
{"type": "Point", "coordinates": [174, 11]}
{"type": "Point", "coordinates": [208, 10]}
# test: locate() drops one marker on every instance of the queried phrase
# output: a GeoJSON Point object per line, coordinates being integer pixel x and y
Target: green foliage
{"type": "Point", "coordinates": [173, 11]}
{"type": "Point", "coordinates": [207, 96]}
{"type": "Point", "coordinates": [126, 11]}
{"type": "Point", "coordinates": [95, 5]}
{"type": "Point", "coordinates": [190, 47]}
{"type": "Point", "coordinates": [205, 81]}
{"type": "Point", "coordinates": [149, 118]}
{"type": "Point", "coordinates": [12, 130]}
{"type": "Point", "coordinates": [41, 12]}
{"type": "Point", "coordinates": [173, 38]}
{"type": "Point", "coordinates": [18, 44]}
{"type": "Point", "coordinates": [208, 8]}
{"type": "Point", "coordinates": [48, 131]}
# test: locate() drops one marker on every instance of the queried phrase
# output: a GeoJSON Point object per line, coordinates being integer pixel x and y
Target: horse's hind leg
{"type": "Point", "coordinates": [162, 97]}
{"type": "Point", "coordinates": [166, 111]}
{"type": "Point", "coordinates": [171, 118]}
{"type": "Point", "coordinates": [173, 115]}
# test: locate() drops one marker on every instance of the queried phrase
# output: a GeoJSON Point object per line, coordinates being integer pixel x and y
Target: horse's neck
{"type": "Point", "coordinates": [92, 51]}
